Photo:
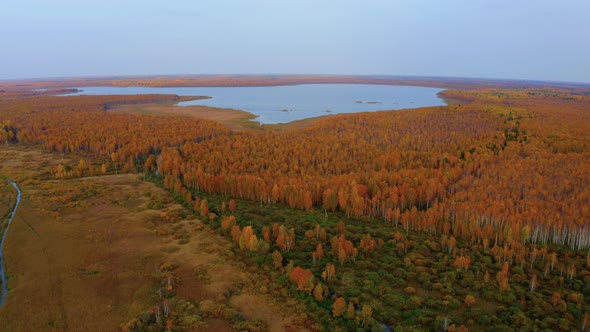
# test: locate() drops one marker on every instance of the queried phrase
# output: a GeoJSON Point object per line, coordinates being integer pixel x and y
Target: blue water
{"type": "Point", "coordinates": [4, 286]}
{"type": "Point", "coordinates": [282, 104]}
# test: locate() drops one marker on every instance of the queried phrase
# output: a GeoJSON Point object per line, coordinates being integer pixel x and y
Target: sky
{"type": "Point", "coordinates": [512, 39]}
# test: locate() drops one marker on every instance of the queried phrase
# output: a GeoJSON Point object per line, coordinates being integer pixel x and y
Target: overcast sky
{"type": "Point", "coordinates": [520, 39]}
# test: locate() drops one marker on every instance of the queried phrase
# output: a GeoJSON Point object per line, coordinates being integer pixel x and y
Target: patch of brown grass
{"type": "Point", "coordinates": [236, 120]}
{"type": "Point", "coordinates": [90, 254]}
{"type": "Point", "coordinates": [233, 119]}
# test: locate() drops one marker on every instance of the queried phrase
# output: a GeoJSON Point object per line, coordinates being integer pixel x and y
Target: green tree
{"type": "Point", "coordinates": [366, 315]}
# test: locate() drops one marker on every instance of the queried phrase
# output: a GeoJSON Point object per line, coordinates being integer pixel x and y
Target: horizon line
{"type": "Point", "coordinates": [457, 79]}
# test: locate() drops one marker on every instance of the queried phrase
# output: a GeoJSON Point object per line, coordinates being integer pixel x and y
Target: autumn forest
{"type": "Point", "coordinates": [467, 217]}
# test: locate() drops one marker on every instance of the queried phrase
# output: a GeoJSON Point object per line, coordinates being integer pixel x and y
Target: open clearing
{"type": "Point", "coordinates": [233, 119]}
{"type": "Point", "coordinates": [81, 255]}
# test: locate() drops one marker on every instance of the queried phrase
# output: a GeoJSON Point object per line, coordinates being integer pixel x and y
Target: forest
{"type": "Point", "coordinates": [472, 216]}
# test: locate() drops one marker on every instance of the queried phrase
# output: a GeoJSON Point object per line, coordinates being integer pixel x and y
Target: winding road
{"type": "Point", "coordinates": [4, 289]}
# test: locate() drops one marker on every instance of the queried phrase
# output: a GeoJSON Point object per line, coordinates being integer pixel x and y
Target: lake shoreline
{"type": "Point", "coordinates": [233, 119]}
{"type": "Point", "coordinates": [284, 104]}
{"type": "Point", "coordinates": [234, 80]}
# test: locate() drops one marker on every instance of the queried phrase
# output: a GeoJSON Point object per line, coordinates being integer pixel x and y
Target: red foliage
{"type": "Point", "coordinates": [303, 278]}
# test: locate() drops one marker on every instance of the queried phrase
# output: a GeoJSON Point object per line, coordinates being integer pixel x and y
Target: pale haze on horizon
{"type": "Point", "coordinates": [513, 39]}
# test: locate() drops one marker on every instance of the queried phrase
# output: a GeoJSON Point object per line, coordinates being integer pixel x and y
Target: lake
{"type": "Point", "coordinates": [283, 104]}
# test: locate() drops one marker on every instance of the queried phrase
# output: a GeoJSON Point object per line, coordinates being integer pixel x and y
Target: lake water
{"type": "Point", "coordinates": [282, 104]}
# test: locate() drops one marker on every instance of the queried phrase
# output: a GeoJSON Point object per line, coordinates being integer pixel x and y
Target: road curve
{"type": "Point", "coordinates": [4, 289]}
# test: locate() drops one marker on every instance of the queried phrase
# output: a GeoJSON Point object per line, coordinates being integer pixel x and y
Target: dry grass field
{"type": "Point", "coordinates": [91, 254]}
{"type": "Point", "coordinates": [233, 119]}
